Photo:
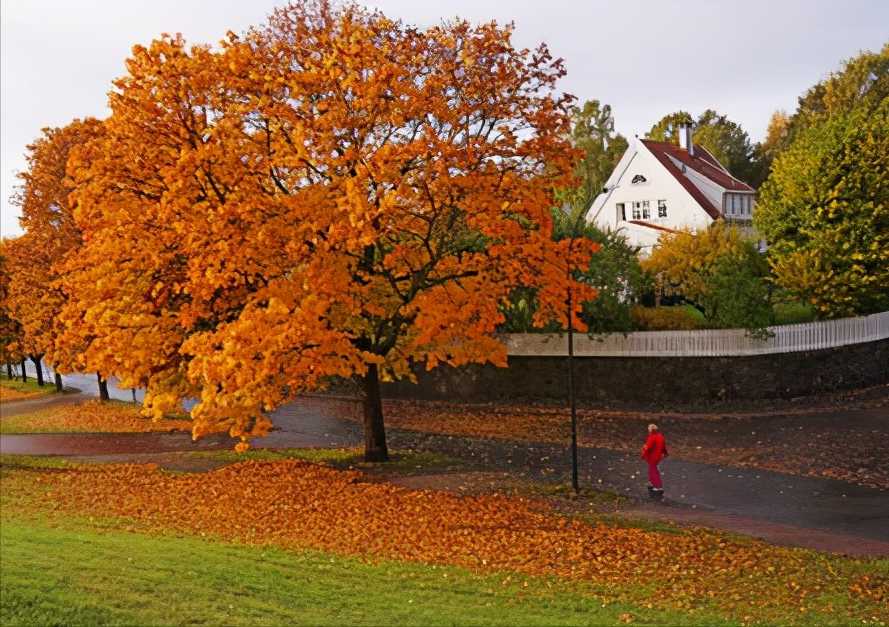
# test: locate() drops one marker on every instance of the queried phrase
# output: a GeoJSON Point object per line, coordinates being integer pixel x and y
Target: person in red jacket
{"type": "Point", "coordinates": [654, 450]}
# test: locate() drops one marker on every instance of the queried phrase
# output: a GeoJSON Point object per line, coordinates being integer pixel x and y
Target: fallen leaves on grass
{"type": "Point", "coordinates": [10, 394]}
{"type": "Point", "coordinates": [296, 504]}
{"type": "Point", "coordinates": [800, 445]}
{"type": "Point", "coordinates": [90, 417]}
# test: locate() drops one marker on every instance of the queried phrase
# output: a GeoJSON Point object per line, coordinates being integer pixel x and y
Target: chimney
{"type": "Point", "coordinates": [685, 138]}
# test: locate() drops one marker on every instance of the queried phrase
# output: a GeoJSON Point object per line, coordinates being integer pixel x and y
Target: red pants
{"type": "Point", "coordinates": [654, 475]}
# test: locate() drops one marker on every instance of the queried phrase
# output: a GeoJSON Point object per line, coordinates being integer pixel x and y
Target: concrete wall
{"type": "Point", "coordinates": [661, 380]}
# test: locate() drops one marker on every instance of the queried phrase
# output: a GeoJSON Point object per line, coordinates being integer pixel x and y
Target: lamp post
{"type": "Point", "coordinates": [572, 399]}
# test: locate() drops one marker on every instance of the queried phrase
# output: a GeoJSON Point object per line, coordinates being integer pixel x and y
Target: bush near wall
{"type": "Point", "coordinates": [678, 318]}
{"type": "Point", "coordinates": [792, 313]}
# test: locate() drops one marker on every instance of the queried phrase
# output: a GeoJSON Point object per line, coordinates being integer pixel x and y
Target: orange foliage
{"type": "Point", "coordinates": [300, 505]}
{"type": "Point", "coordinates": [10, 328]}
{"type": "Point", "coordinates": [35, 260]}
{"type": "Point", "coordinates": [267, 215]}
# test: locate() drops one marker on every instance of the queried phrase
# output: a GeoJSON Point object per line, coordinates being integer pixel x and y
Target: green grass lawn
{"type": "Point", "coordinates": [30, 387]}
{"type": "Point", "coordinates": [82, 576]}
{"type": "Point", "coordinates": [69, 569]}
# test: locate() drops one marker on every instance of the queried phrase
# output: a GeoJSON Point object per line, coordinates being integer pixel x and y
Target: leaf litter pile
{"type": "Point", "coordinates": [11, 394]}
{"type": "Point", "coordinates": [92, 417]}
{"type": "Point", "coordinates": [296, 504]}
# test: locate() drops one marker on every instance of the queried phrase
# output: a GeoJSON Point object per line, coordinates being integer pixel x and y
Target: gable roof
{"type": "Point", "coordinates": [704, 164]}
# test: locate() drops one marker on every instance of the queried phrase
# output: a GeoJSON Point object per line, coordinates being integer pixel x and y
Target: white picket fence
{"type": "Point", "coordinates": [707, 343]}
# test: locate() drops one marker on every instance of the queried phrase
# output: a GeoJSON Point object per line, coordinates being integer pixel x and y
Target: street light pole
{"type": "Point", "coordinates": [571, 400]}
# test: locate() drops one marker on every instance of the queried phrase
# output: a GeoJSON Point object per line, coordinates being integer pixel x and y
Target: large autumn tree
{"type": "Point", "coordinates": [37, 259]}
{"type": "Point", "coordinates": [824, 210]}
{"type": "Point", "coordinates": [825, 214]}
{"type": "Point", "coordinates": [10, 328]}
{"type": "Point", "coordinates": [860, 81]}
{"type": "Point", "coordinates": [333, 194]}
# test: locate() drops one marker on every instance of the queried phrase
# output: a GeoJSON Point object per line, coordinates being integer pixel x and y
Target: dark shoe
{"type": "Point", "coordinates": [656, 493]}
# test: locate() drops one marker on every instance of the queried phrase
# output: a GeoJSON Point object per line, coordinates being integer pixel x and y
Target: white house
{"type": "Point", "coordinates": [659, 186]}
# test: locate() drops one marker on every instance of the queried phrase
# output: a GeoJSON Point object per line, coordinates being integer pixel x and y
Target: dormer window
{"type": "Point", "coordinates": [638, 179]}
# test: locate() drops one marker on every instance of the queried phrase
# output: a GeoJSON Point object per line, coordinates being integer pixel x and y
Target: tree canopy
{"type": "Point", "coordinates": [600, 148]}
{"type": "Point", "coordinates": [332, 194]}
{"type": "Point", "coordinates": [722, 137]}
{"type": "Point", "coordinates": [36, 260]}
{"type": "Point", "coordinates": [717, 269]}
{"type": "Point", "coordinates": [825, 213]}
{"type": "Point", "coordinates": [824, 210]}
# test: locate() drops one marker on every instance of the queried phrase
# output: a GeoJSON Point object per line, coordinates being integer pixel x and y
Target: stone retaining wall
{"type": "Point", "coordinates": [668, 380]}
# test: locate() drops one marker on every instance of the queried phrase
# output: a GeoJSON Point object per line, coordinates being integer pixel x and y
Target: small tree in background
{"type": "Point", "coordinates": [614, 270]}
{"type": "Point", "coordinates": [716, 269]}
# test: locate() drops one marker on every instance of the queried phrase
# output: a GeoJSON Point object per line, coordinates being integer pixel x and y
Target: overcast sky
{"type": "Point", "coordinates": [646, 58]}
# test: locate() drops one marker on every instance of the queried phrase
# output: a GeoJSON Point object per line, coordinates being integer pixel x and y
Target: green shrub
{"type": "Point", "coordinates": [679, 318]}
{"type": "Point", "coordinates": [792, 313]}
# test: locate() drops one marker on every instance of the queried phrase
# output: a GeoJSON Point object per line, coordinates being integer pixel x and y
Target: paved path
{"type": "Point", "coordinates": [14, 408]}
{"type": "Point", "coordinates": [779, 498]}
{"type": "Point", "coordinates": [779, 505]}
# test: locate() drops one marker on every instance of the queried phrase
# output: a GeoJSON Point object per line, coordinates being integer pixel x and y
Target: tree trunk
{"type": "Point", "coordinates": [38, 367]}
{"type": "Point", "coordinates": [24, 372]}
{"type": "Point", "coordinates": [374, 431]}
{"type": "Point", "coordinates": [103, 388]}
{"type": "Point", "coordinates": [9, 370]}
{"type": "Point", "coordinates": [59, 387]}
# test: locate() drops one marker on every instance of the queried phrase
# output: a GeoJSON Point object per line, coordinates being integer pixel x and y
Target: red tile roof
{"type": "Point", "coordinates": [704, 164]}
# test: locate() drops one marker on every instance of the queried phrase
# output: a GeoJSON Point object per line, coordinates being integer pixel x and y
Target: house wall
{"type": "Point", "coordinates": [682, 210]}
